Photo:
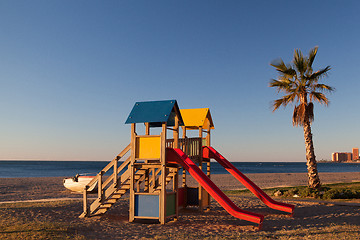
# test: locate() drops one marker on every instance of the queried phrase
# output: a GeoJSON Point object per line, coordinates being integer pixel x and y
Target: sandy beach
{"type": "Point", "coordinates": [16, 189]}
{"type": "Point", "coordinates": [214, 224]}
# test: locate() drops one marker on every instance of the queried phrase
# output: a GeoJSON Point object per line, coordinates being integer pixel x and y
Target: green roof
{"type": "Point", "coordinates": [155, 113]}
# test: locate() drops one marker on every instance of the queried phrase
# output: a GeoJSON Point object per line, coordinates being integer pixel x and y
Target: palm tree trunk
{"type": "Point", "coordinates": [313, 176]}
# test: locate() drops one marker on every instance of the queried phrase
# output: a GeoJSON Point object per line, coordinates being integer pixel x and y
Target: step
{"type": "Point", "coordinates": [116, 195]}
{"type": "Point", "coordinates": [105, 205]}
{"type": "Point", "coordinates": [101, 211]}
{"type": "Point", "coordinates": [125, 186]}
{"type": "Point", "coordinates": [112, 200]}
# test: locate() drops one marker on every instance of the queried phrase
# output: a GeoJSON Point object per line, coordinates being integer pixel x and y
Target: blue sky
{"type": "Point", "coordinates": [70, 72]}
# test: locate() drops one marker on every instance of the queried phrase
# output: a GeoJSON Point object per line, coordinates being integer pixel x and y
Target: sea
{"type": "Point", "coordinates": [16, 169]}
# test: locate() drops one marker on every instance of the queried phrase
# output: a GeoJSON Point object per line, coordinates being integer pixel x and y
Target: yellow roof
{"type": "Point", "coordinates": [197, 117]}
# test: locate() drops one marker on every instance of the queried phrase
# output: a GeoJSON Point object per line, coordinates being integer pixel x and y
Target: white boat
{"type": "Point", "coordinates": [78, 183]}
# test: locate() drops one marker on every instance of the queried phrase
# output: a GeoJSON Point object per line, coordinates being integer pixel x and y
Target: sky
{"type": "Point", "coordinates": [71, 71]}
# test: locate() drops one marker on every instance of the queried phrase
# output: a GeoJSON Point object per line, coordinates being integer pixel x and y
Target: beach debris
{"type": "Point", "coordinates": [295, 195]}
{"type": "Point", "coordinates": [278, 193]}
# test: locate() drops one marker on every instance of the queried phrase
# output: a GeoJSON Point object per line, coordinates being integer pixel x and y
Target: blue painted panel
{"type": "Point", "coordinates": [147, 205]}
{"type": "Point", "coordinates": [155, 113]}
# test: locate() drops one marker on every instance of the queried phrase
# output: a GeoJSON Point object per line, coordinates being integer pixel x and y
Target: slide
{"type": "Point", "coordinates": [209, 152]}
{"type": "Point", "coordinates": [177, 156]}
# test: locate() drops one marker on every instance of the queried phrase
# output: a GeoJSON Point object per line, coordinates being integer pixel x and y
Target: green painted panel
{"type": "Point", "coordinates": [170, 204]}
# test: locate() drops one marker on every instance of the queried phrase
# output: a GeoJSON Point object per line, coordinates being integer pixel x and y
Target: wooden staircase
{"type": "Point", "coordinates": [110, 190]}
{"type": "Point", "coordinates": [116, 185]}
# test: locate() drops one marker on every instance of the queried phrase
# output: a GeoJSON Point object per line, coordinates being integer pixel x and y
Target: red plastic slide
{"type": "Point", "coordinates": [209, 152]}
{"type": "Point", "coordinates": [175, 155]}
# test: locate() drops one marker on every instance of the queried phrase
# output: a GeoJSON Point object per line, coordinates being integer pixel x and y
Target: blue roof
{"type": "Point", "coordinates": [155, 113]}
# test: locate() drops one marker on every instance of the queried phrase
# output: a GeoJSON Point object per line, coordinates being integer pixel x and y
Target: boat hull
{"type": "Point", "coordinates": [77, 184]}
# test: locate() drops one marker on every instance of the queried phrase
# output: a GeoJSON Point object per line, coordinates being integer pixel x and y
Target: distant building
{"type": "Point", "coordinates": [346, 156]}
{"type": "Point", "coordinates": [341, 157]}
{"type": "Point", "coordinates": [355, 153]}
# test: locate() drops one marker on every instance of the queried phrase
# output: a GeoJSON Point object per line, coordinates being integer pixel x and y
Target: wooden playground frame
{"type": "Point", "coordinates": [146, 173]}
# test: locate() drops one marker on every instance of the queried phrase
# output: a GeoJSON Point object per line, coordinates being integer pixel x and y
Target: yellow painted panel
{"type": "Point", "coordinates": [197, 117]}
{"type": "Point", "coordinates": [148, 147]}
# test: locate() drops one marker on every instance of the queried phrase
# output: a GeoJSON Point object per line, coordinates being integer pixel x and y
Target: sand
{"type": "Point", "coordinates": [216, 222]}
{"type": "Point", "coordinates": [16, 189]}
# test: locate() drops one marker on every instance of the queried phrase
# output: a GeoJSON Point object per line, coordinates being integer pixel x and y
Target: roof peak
{"type": "Point", "coordinates": [155, 113]}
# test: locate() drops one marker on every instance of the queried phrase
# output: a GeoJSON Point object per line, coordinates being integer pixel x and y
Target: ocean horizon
{"type": "Point", "coordinates": [18, 168]}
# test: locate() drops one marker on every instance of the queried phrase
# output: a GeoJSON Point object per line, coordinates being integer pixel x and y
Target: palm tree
{"type": "Point", "coordinates": [301, 86]}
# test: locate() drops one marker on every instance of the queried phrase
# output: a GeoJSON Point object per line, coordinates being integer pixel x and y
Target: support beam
{"type": "Point", "coordinates": [147, 128]}
{"type": "Point", "coordinates": [185, 150]}
{"type": "Point", "coordinates": [163, 176]}
{"type": "Point", "coordinates": [132, 174]}
{"type": "Point", "coordinates": [176, 132]}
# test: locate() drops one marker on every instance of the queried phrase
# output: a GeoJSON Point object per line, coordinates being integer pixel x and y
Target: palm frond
{"type": "Point", "coordinates": [312, 55]}
{"type": "Point", "coordinates": [319, 97]}
{"type": "Point", "coordinates": [284, 101]}
{"type": "Point", "coordinates": [300, 62]}
{"type": "Point", "coordinates": [279, 64]}
{"type": "Point", "coordinates": [323, 87]}
{"type": "Point", "coordinates": [319, 74]}
{"type": "Point", "coordinates": [284, 85]}
{"type": "Point", "coordinates": [282, 68]}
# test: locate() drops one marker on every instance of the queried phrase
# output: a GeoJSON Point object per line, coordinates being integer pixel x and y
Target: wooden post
{"type": "Point", "coordinates": [183, 131]}
{"type": "Point", "coordinates": [153, 178]}
{"type": "Point", "coordinates": [208, 137]}
{"type": "Point", "coordinates": [115, 172]}
{"type": "Point", "coordinates": [185, 150]}
{"type": "Point", "coordinates": [85, 209]}
{"type": "Point", "coordinates": [176, 132]}
{"type": "Point", "coordinates": [132, 190]}
{"type": "Point", "coordinates": [147, 128]}
{"type": "Point", "coordinates": [183, 178]}
{"type": "Point", "coordinates": [176, 188]}
{"type": "Point", "coordinates": [200, 166]}
{"type": "Point", "coordinates": [146, 189]}
{"type": "Point", "coordinates": [163, 176]}
{"type": "Point", "coordinates": [208, 144]}
{"type": "Point", "coordinates": [147, 132]}
{"type": "Point", "coordinates": [100, 190]}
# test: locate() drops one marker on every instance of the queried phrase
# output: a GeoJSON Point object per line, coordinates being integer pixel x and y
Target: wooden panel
{"type": "Point", "coordinates": [192, 196]}
{"type": "Point", "coordinates": [147, 206]}
{"type": "Point", "coordinates": [170, 204]}
{"type": "Point", "coordinates": [182, 197]}
{"type": "Point", "coordinates": [147, 147]}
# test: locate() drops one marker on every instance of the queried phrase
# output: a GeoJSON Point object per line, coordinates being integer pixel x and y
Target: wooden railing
{"type": "Point", "coordinates": [192, 147]}
{"type": "Point", "coordinates": [102, 186]}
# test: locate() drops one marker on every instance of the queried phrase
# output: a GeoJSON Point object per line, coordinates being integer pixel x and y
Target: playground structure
{"type": "Point", "coordinates": [151, 173]}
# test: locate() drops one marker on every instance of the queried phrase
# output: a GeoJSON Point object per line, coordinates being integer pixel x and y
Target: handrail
{"type": "Point", "coordinates": [120, 155]}
{"type": "Point", "coordinates": [123, 165]}
{"type": "Point", "coordinates": [190, 146]}
{"type": "Point", "coordinates": [99, 176]}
